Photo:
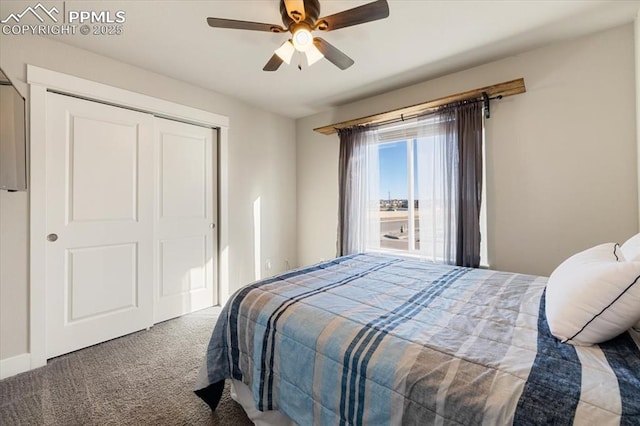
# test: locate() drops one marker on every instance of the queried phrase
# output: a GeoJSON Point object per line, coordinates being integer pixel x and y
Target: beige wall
{"type": "Point", "coordinates": [14, 272]}
{"type": "Point", "coordinates": [561, 158]}
{"type": "Point", "coordinates": [261, 164]}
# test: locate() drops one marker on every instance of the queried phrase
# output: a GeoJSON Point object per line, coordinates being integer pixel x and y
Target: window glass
{"type": "Point", "coordinates": [394, 215]}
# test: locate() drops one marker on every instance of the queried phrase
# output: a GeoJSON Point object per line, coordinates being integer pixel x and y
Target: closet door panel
{"type": "Point", "coordinates": [100, 223]}
{"type": "Point", "coordinates": [185, 228]}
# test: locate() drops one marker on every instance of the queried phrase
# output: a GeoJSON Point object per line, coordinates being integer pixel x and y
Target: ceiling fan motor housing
{"type": "Point", "coordinates": [311, 10]}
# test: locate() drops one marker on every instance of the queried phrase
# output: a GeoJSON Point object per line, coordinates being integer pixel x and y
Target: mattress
{"type": "Point", "coordinates": [374, 339]}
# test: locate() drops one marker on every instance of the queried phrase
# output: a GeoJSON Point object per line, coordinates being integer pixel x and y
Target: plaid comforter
{"type": "Point", "coordinates": [376, 340]}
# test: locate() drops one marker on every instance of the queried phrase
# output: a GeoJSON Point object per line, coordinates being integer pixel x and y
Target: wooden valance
{"type": "Point", "coordinates": [505, 89]}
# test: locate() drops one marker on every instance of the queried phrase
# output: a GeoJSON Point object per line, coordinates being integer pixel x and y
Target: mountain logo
{"type": "Point", "coordinates": [38, 11]}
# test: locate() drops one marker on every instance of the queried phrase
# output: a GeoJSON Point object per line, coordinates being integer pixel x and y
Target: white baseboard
{"type": "Point", "coordinates": [15, 365]}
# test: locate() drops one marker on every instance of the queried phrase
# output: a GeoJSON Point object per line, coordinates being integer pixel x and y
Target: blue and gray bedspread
{"type": "Point", "coordinates": [376, 340]}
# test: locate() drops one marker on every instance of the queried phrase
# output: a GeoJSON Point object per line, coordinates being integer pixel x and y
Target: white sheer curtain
{"type": "Point", "coordinates": [437, 182]}
{"type": "Point", "coordinates": [359, 221]}
{"type": "Point", "coordinates": [373, 185]}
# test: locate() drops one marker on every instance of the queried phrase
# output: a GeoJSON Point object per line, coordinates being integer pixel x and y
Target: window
{"type": "Point", "coordinates": [414, 187]}
{"type": "Point", "coordinates": [405, 161]}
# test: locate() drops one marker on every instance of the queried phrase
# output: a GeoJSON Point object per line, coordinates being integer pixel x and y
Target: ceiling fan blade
{"type": "Point", "coordinates": [244, 25]}
{"type": "Point", "coordinates": [333, 54]}
{"type": "Point", "coordinates": [273, 64]}
{"type": "Point", "coordinates": [358, 15]}
{"type": "Point", "coordinates": [295, 9]}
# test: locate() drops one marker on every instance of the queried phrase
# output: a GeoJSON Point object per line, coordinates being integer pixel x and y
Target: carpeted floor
{"type": "Point", "coordinates": [143, 378]}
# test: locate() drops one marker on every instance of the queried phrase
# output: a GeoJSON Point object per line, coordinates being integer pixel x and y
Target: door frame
{"type": "Point", "coordinates": [41, 81]}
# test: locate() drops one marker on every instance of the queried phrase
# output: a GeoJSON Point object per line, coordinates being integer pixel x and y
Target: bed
{"type": "Point", "coordinates": [371, 339]}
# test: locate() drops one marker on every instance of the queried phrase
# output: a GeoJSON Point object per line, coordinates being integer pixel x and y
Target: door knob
{"type": "Point", "coordinates": [212, 225]}
{"type": "Point", "coordinates": [52, 237]}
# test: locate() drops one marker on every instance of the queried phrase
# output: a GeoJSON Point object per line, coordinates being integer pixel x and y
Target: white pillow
{"type": "Point", "coordinates": [593, 297]}
{"type": "Point", "coordinates": [631, 248]}
{"type": "Point", "coordinates": [621, 258]}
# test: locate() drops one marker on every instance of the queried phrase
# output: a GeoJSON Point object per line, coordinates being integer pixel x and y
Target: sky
{"type": "Point", "coordinates": [393, 170]}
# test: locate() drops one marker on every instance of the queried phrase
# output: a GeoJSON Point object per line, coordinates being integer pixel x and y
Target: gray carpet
{"type": "Point", "coordinates": [143, 378]}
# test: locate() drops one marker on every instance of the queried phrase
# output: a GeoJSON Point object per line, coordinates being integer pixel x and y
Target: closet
{"type": "Point", "coordinates": [131, 206]}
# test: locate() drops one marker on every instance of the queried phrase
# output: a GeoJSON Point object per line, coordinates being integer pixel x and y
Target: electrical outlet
{"type": "Point", "coordinates": [267, 265]}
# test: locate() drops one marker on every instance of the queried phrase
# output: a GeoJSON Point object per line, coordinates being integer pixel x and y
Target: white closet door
{"type": "Point", "coordinates": [99, 257]}
{"type": "Point", "coordinates": [186, 217]}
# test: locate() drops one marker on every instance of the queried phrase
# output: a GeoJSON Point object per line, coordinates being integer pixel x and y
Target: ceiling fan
{"type": "Point", "coordinates": [300, 17]}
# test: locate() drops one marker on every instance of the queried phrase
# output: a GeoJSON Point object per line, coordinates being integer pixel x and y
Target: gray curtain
{"type": "Point", "coordinates": [469, 135]}
{"type": "Point", "coordinates": [346, 148]}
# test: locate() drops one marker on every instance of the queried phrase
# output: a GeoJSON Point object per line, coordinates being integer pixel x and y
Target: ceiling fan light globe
{"type": "Point", "coordinates": [313, 55]}
{"type": "Point", "coordinates": [302, 39]}
{"type": "Point", "coordinates": [286, 51]}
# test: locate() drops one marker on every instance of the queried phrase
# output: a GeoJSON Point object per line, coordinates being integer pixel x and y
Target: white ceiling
{"type": "Point", "coordinates": [420, 40]}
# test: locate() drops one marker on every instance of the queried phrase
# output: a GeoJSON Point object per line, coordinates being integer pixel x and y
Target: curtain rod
{"type": "Point", "coordinates": [495, 91]}
{"type": "Point", "coordinates": [402, 118]}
